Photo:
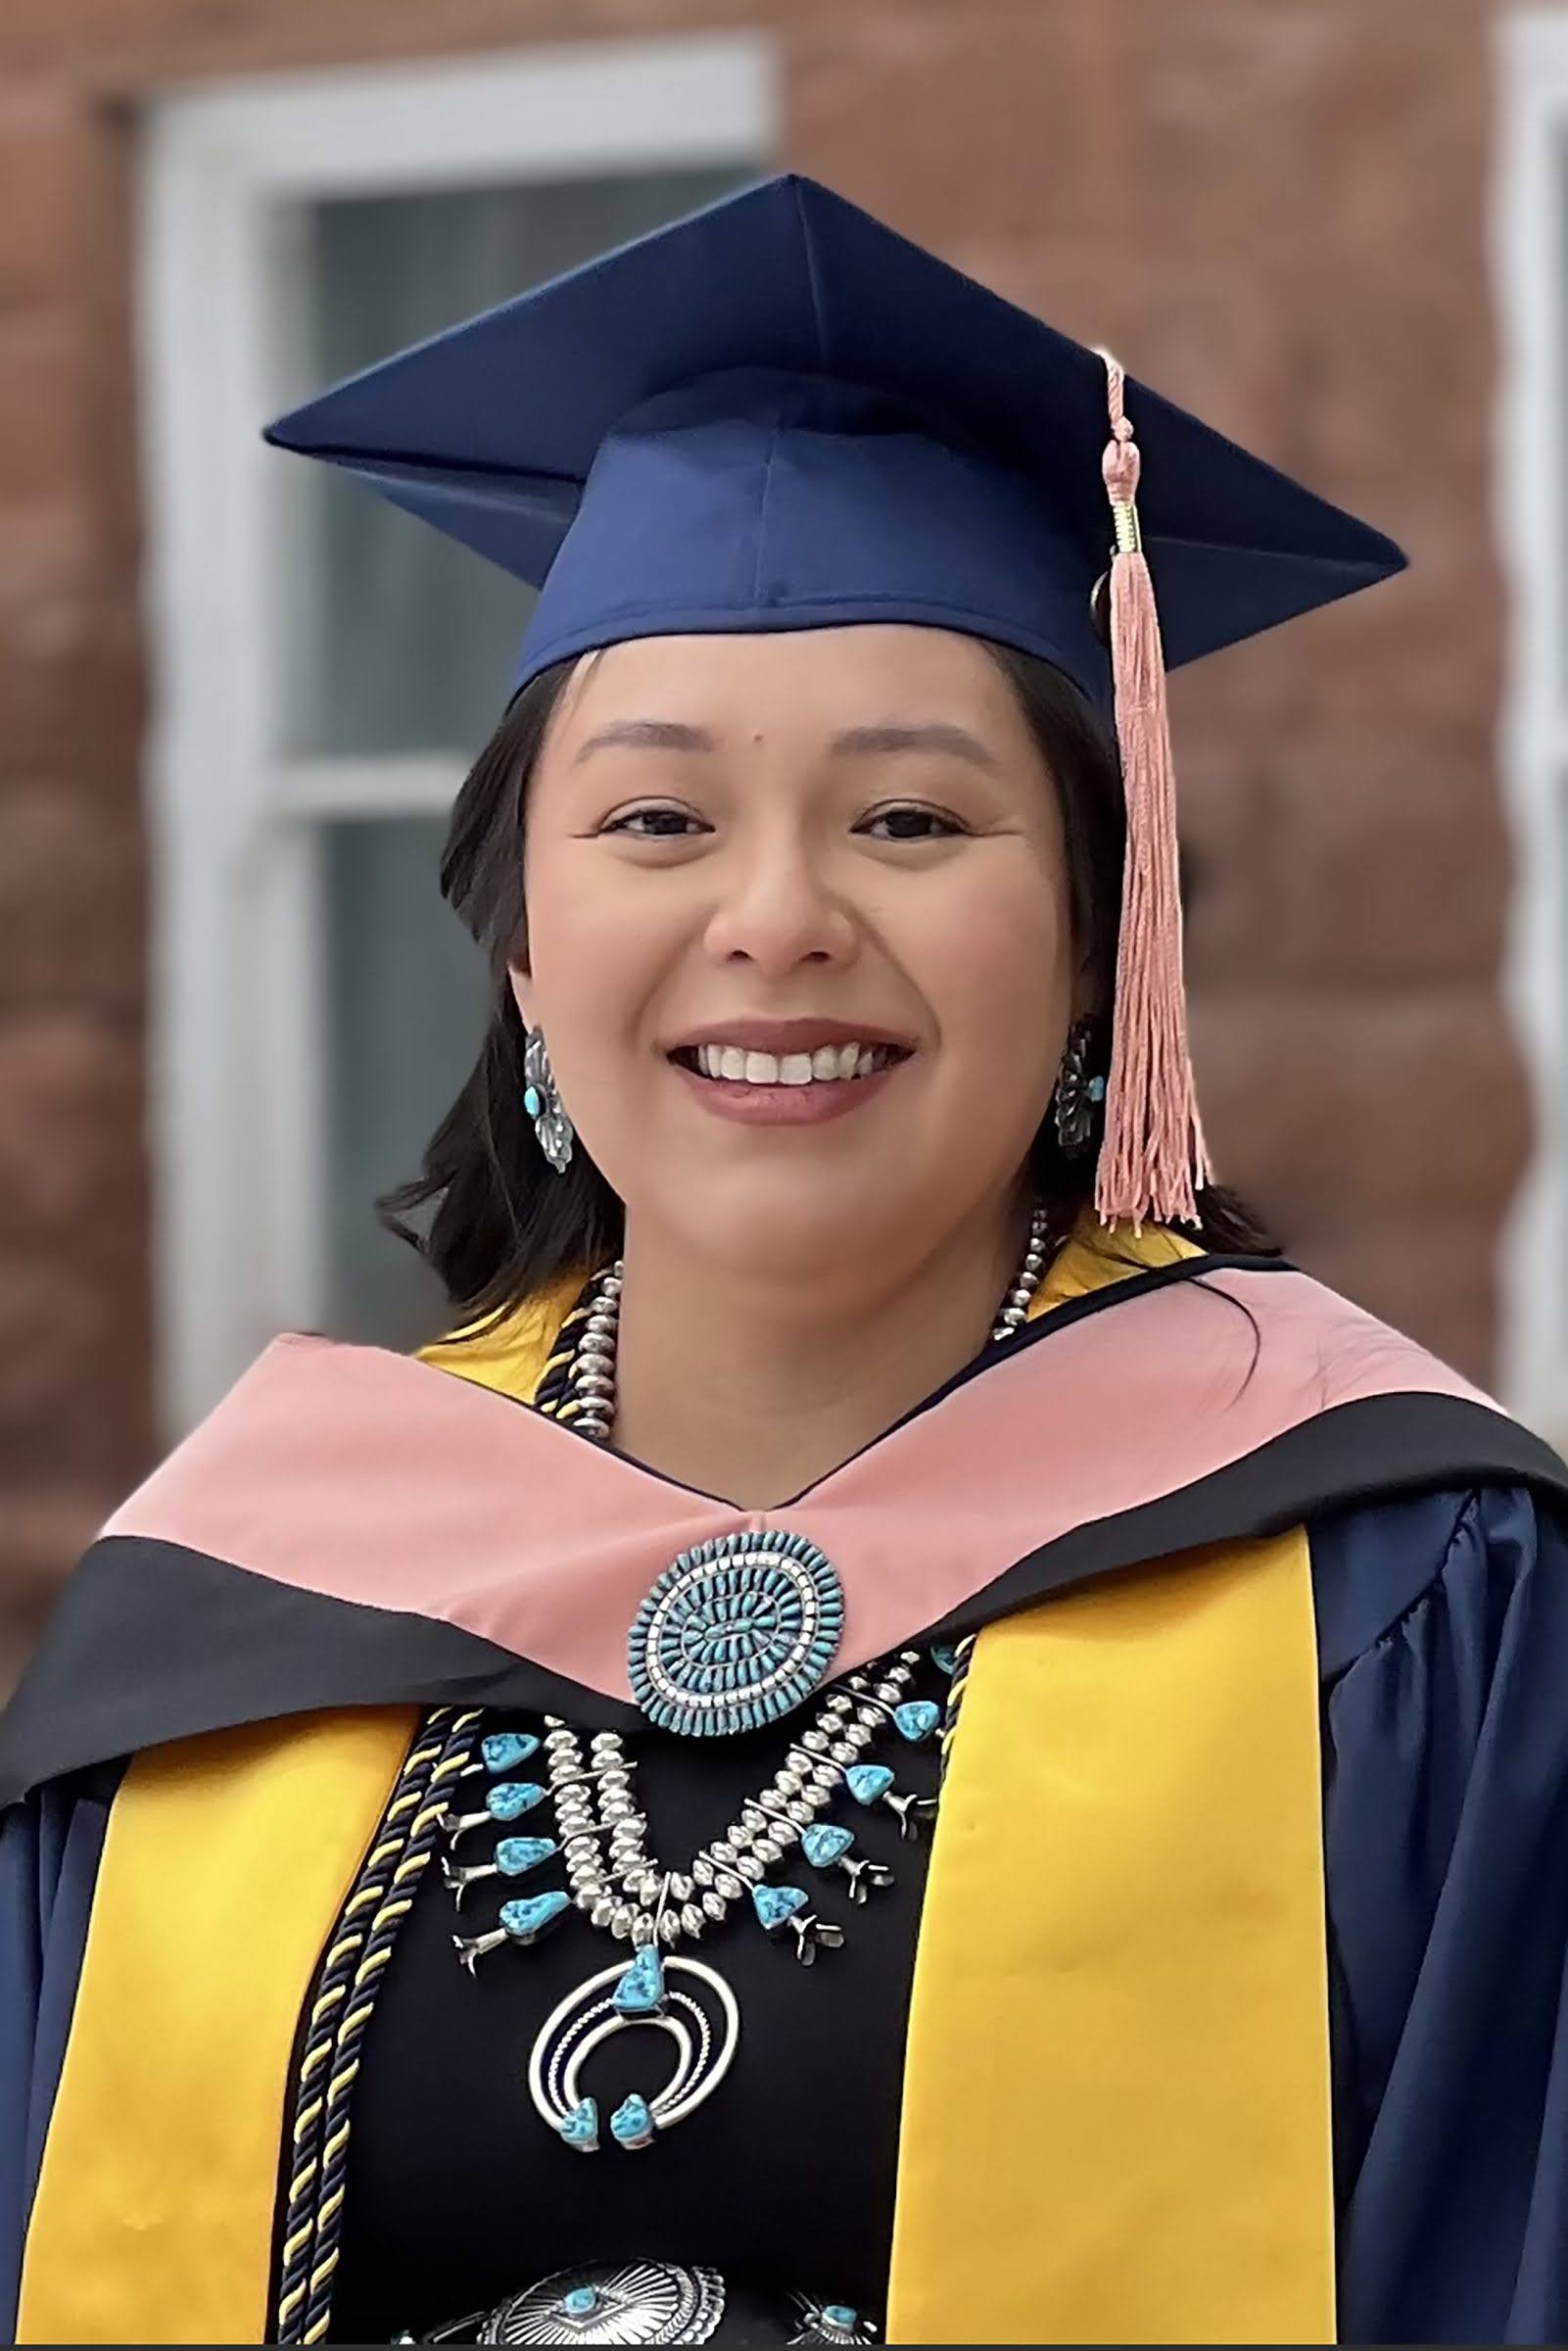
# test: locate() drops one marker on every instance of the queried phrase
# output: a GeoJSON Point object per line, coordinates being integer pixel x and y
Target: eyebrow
{"type": "Point", "coordinates": [669, 735]}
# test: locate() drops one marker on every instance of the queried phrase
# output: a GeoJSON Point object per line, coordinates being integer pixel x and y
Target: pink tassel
{"type": "Point", "coordinates": [1154, 1156]}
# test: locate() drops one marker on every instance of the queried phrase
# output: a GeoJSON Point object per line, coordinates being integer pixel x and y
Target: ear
{"type": "Point", "coordinates": [522, 986]}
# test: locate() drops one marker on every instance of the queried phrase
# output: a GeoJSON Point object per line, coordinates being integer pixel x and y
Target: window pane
{"type": "Point", "coordinates": [398, 640]}
{"type": "Point", "coordinates": [406, 1006]}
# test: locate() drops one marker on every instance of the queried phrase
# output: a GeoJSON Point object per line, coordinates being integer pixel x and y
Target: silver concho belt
{"type": "Point", "coordinates": [653, 2302]}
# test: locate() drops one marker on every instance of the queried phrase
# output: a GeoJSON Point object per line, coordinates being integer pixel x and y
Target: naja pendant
{"type": "Point", "coordinates": [698, 2014]}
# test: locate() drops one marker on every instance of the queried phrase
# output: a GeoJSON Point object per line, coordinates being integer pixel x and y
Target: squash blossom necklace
{"type": "Point", "coordinates": [735, 1633]}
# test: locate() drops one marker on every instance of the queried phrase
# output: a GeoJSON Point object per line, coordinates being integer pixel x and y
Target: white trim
{"type": "Point", "coordinates": [1530, 263]}
{"type": "Point", "coordinates": [235, 1022]}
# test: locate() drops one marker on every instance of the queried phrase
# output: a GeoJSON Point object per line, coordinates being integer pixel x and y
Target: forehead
{"type": "Point", "coordinates": [799, 681]}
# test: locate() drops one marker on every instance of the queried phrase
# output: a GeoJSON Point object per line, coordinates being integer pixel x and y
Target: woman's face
{"type": "Point", "coordinates": [746, 855]}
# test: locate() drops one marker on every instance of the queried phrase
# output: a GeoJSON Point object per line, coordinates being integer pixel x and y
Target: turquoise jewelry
{"type": "Point", "coordinates": [738, 1631]}
{"type": "Point", "coordinates": [1078, 1096]}
{"type": "Point", "coordinates": [734, 1633]}
{"type": "Point", "coordinates": [542, 1102]}
{"type": "Point", "coordinates": [653, 2302]}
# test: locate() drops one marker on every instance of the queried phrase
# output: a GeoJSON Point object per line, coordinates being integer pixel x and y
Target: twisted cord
{"type": "Point", "coordinates": [963, 1652]}
{"type": "Point", "coordinates": [348, 1981]}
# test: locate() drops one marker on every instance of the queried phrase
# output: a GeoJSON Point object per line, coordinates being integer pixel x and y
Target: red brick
{"type": "Point", "coordinates": [46, 520]}
{"type": "Point", "coordinates": [72, 690]}
{"type": "Point", "coordinates": [1355, 1107]}
{"type": "Point", "coordinates": [70, 1131]}
{"type": "Point", "coordinates": [70, 901]}
{"type": "Point", "coordinates": [45, 138]}
{"type": "Point", "coordinates": [1010, 107]}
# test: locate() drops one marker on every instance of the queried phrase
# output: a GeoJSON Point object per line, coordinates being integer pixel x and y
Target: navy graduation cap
{"type": "Point", "coordinates": [779, 413]}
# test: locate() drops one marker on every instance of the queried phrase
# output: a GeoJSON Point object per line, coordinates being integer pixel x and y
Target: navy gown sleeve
{"type": "Point", "coordinates": [1445, 1764]}
{"type": "Point", "coordinates": [50, 1848]}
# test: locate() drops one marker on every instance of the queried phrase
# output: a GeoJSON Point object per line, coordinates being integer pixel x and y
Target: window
{"type": "Point", "coordinates": [325, 666]}
{"type": "Point", "coordinates": [1531, 257]}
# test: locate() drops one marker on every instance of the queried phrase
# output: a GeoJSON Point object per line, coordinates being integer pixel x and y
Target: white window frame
{"type": "Point", "coordinates": [1530, 267]}
{"type": "Point", "coordinates": [237, 1125]}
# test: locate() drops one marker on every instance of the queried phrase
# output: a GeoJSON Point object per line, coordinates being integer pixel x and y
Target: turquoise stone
{"type": "Point", "coordinates": [773, 1905]}
{"type": "Point", "coordinates": [504, 1750]}
{"type": "Point", "coordinates": [944, 1659]}
{"type": "Point", "coordinates": [581, 2126]}
{"type": "Point", "coordinates": [1095, 1089]}
{"type": "Point", "coordinates": [841, 2313]}
{"type": "Point", "coordinates": [524, 1919]}
{"type": "Point", "coordinates": [632, 2124]}
{"type": "Point", "coordinates": [823, 1845]}
{"type": "Point", "coordinates": [515, 1855]}
{"type": "Point", "coordinates": [868, 1783]}
{"type": "Point", "coordinates": [509, 1797]}
{"type": "Point", "coordinates": [531, 1100]}
{"type": "Point", "coordinates": [581, 2302]}
{"type": "Point", "coordinates": [917, 1717]}
{"type": "Point", "coordinates": [641, 1990]}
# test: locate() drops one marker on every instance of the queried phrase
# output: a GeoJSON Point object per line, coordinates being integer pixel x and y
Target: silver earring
{"type": "Point", "coordinates": [542, 1102]}
{"type": "Point", "coordinates": [1078, 1095]}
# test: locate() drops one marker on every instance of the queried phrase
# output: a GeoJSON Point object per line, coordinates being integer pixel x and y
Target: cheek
{"type": "Point", "coordinates": [999, 963]}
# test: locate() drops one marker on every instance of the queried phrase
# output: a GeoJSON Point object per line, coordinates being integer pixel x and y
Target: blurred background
{"type": "Point", "coordinates": [236, 694]}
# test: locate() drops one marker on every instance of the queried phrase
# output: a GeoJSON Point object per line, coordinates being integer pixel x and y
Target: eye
{"type": "Point", "coordinates": [911, 820]}
{"type": "Point", "coordinates": [654, 821]}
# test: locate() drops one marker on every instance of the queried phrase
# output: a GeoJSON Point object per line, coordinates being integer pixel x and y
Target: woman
{"type": "Point", "coordinates": [941, 1544]}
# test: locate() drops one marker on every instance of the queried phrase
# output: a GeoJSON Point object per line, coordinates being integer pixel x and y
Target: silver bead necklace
{"type": "Point", "coordinates": [590, 1382]}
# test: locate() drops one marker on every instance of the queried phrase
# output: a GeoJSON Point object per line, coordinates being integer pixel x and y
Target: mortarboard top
{"type": "Point", "coordinates": [777, 412]}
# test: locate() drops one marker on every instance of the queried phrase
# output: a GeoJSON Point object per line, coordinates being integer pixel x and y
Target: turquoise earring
{"type": "Point", "coordinates": [542, 1102]}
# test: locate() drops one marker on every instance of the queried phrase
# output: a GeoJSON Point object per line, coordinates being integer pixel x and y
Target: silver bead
{"type": "Point", "coordinates": [557, 1741]}
{"type": "Point", "coordinates": [817, 1741]}
{"type": "Point", "coordinates": [722, 1852]}
{"type": "Point", "coordinates": [641, 1929]}
{"type": "Point", "coordinates": [740, 1834]}
{"type": "Point", "coordinates": [842, 1752]}
{"type": "Point", "coordinates": [826, 1777]}
{"type": "Point", "coordinates": [603, 1911]}
{"type": "Point", "coordinates": [605, 1743]}
{"type": "Point", "coordinates": [750, 1867]}
{"type": "Point", "coordinates": [680, 1886]}
{"type": "Point", "coordinates": [768, 1848]}
{"type": "Point", "coordinates": [887, 1692]}
{"type": "Point", "coordinates": [702, 1870]}
{"type": "Point", "coordinates": [588, 1898]}
{"type": "Point", "coordinates": [693, 1920]}
{"type": "Point", "coordinates": [873, 1717]}
{"type": "Point", "coordinates": [788, 1782]}
{"type": "Point", "coordinates": [858, 1734]}
{"type": "Point", "coordinates": [621, 1921]}
{"type": "Point", "coordinates": [730, 1887]}
{"type": "Point", "coordinates": [839, 1703]}
{"type": "Point", "coordinates": [713, 1903]}
{"type": "Point", "coordinates": [669, 1926]}
{"type": "Point", "coordinates": [799, 1812]}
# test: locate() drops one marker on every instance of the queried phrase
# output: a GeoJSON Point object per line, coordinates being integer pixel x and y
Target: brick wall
{"type": "Point", "coordinates": [1276, 210]}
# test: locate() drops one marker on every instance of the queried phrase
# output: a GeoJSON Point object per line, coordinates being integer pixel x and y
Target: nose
{"type": "Point", "coordinates": [777, 909]}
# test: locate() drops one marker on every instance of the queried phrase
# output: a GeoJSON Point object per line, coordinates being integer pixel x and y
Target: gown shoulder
{"type": "Point", "coordinates": [1442, 1623]}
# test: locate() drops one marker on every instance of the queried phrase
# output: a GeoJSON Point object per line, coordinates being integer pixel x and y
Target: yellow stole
{"type": "Point", "coordinates": [1115, 2120]}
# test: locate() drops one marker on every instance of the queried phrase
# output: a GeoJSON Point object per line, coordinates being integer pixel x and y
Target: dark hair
{"type": "Point", "coordinates": [504, 1225]}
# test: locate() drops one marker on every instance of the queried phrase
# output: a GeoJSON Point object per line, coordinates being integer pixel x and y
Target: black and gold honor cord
{"type": "Point", "coordinates": [342, 2002]}
{"type": "Point", "coordinates": [348, 1981]}
{"type": "Point", "coordinates": [963, 1652]}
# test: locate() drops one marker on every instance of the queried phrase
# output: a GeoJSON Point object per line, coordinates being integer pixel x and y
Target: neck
{"type": "Point", "coordinates": [752, 1384]}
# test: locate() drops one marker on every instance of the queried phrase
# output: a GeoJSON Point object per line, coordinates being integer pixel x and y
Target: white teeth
{"type": "Point", "coordinates": [828, 1062]}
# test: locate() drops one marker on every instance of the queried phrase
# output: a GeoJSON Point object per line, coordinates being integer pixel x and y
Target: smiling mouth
{"type": "Point", "coordinates": [825, 1065]}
